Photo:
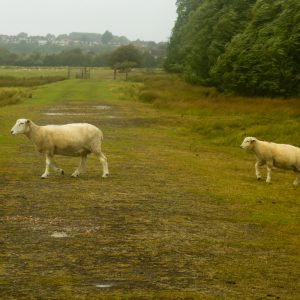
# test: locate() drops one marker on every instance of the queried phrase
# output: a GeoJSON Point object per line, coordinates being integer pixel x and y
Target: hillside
{"type": "Point", "coordinates": [75, 49]}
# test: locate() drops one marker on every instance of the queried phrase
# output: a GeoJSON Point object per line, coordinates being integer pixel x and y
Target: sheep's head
{"type": "Point", "coordinates": [21, 126]}
{"type": "Point", "coordinates": [248, 143]}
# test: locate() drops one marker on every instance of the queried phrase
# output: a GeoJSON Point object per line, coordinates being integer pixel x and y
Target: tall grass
{"type": "Point", "coordinates": [27, 72]}
{"type": "Point", "coordinates": [9, 81]}
{"type": "Point", "coordinates": [220, 119]}
{"type": "Point", "coordinates": [15, 88]}
{"type": "Point", "coordinates": [13, 95]}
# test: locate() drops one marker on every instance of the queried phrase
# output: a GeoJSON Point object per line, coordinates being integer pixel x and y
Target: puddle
{"type": "Point", "coordinates": [103, 107]}
{"type": "Point", "coordinates": [76, 114]}
{"type": "Point", "coordinates": [67, 114]}
{"type": "Point", "coordinates": [104, 286]}
{"type": "Point", "coordinates": [99, 107]}
{"type": "Point", "coordinates": [59, 235]}
{"type": "Point", "coordinates": [73, 110]}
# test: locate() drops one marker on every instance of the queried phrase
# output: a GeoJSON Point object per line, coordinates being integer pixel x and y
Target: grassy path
{"type": "Point", "coordinates": [177, 219]}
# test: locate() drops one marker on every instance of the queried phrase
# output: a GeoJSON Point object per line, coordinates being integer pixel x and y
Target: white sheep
{"type": "Point", "coordinates": [281, 156]}
{"type": "Point", "coordinates": [77, 139]}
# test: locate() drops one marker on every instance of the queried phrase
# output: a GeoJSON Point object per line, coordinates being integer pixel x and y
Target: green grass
{"type": "Point", "coordinates": [10, 81]}
{"type": "Point", "coordinates": [182, 215]}
{"type": "Point", "coordinates": [222, 120]}
{"type": "Point", "coordinates": [17, 84]}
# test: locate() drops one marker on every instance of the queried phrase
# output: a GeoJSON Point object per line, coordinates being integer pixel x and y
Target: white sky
{"type": "Point", "coordinates": [144, 19]}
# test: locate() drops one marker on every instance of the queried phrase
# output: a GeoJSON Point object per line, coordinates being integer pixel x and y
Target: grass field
{"type": "Point", "coordinates": [27, 72]}
{"type": "Point", "coordinates": [181, 216]}
{"type": "Point", "coordinates": [16, 83]}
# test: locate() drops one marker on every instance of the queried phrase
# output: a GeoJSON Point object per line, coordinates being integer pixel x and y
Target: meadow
{"type": "Point", "coordinates": [182, 215]}
{"type": "Point", "coordinates": [15, 82]}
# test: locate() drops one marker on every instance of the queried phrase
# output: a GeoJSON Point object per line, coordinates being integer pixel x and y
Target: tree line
{"type": "Point", "coordinates": [249, 47]}
{"type": "Point", "coordinates": [77, 57]}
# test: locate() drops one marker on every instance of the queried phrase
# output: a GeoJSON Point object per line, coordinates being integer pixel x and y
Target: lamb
{"type": "Point", "coordinates": [76, 139]}
{"type": "Point", "coordinates": [281, 156]}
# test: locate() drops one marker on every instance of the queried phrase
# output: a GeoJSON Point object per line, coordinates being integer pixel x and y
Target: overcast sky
{"type": "Point", "coordinates": [143, 19]}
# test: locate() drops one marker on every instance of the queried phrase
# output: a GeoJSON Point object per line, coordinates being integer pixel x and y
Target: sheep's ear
{"type": "Point", "coordinates": [27, 121]}
{"type": "Point", "coordinates": [253, 140]}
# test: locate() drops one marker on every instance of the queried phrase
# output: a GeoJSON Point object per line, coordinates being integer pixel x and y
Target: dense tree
{"type": "Point", "coordinates": [126, 53]}
{"type": "Point", "coordinates": [147, 58]}
{"type": "Point", "coordinates": [175, 55]}
{"type": "Point", "coordinates": [7, 58]}
{"type": "Point", "coordinates": [244, 46]}
{"type": "Point", "coordinates": [107, 37]}
{"type": "Point", "coordinates": [124, 58]}
{"type": "Point", "coordinates": [265, 58]}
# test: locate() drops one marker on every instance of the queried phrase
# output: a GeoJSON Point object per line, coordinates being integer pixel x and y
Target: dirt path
{"type": "Point", "coordinates": [152, 228]}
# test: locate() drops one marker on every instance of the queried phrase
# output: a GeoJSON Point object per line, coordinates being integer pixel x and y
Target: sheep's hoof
{"type": "Point", "coordinates": [44, 176]}
{"type": "Point", "coordinates": [105, 175]}
{"type": "Point", "coordinates": [62, 172]}
{"type": "Point", "coordinates": [258, 178]}
{"type": "Point", "coordinates": [74, 175]}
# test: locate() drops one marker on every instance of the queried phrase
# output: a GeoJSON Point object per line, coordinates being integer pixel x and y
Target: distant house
{"type": "Point", "coordinates": [62, 41]}
{"type": "Point", "coordinates": [42, 42]}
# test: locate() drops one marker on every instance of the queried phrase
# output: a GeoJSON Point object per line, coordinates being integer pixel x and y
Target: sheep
{"type": "Point", "coordinates": [76, 139]}
{"type": "Point", "coordinates": [281, 156]}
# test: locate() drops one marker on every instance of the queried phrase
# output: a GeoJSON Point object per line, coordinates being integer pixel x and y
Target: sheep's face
{"type": "Point", "coordinates": [21, 126]}
{"type": "Point", "coordinates": [248, 143]}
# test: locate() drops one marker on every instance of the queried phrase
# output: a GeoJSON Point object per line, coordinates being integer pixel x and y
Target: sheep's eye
{"type": "Point", "coordinates": [21, 124]}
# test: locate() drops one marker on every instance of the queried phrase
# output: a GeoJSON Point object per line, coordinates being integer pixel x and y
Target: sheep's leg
{"type": "Point", "coordinates": [48, 163]}
{"type": "Point", "coordinates": [269, 171]}
{"type": "Point", "coordinates": [81, 166]}
{"type": "Point", "coordinates": [51, 163]}
{"type": "Point", "coordinates": [55, 167]}
{"type": "Point", "coordinates": [258, 164]}
{"type": "Point", "coordinates": [297, 180]}
{"type": "Point", "coordinates": [103, 160]}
